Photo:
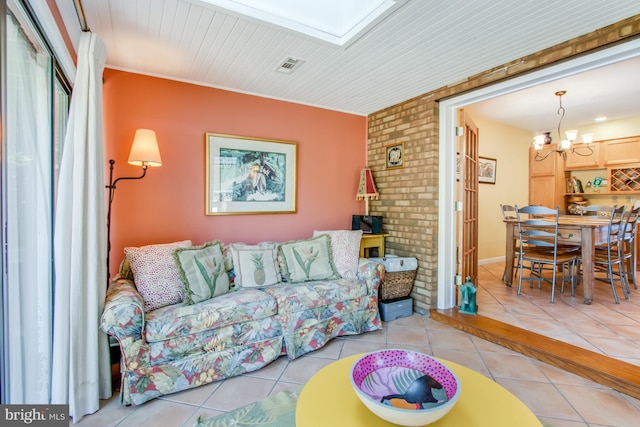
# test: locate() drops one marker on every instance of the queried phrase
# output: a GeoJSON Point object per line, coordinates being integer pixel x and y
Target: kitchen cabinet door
{"type": "Point", "coordinates": [543, 191]}
{"type": "Point", "coordinates": [584, 160]}
{"type": "Point", "coordinates": [621, 151]}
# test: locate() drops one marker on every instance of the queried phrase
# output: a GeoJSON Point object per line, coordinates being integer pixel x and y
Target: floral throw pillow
{"type": "Point", "coordinates": [255, 265]}
{"type": "Point", "coordinates": [155, 274]}
{"type": "Point", "coordinates": [202, 271]}
{"type": "Point", "coordinates": [307, 260]}
{"type": "Point", "coordinates": [345, 245]}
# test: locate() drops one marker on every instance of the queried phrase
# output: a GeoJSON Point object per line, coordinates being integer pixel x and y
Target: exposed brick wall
{"type": "Point", "coordinates": [409, 196]}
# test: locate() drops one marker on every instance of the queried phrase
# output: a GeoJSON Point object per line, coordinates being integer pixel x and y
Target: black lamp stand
{"type": "Point", "coordinates": [112, 190]}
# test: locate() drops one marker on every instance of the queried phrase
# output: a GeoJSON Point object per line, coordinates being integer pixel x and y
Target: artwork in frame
{"type": "Point", "coordinates": [487, 170]}
{"type": "Point", "coordinates": [394, 155]}
{"type": "Point", "coordinates": [247, 175]}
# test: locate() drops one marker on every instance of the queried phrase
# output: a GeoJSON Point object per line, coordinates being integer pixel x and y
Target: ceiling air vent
{"type": "Point", "coordinates": [289, 65]}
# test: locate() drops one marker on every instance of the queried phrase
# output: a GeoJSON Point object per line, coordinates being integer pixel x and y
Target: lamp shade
{"type": "Point", "coordinates": [367, 188]}
{"type": "Point", "coordinates": [144, 150]}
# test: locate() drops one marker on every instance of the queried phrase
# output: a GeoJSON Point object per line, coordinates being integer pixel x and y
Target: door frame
{"type": "Point", "coordinates": [447, 147]}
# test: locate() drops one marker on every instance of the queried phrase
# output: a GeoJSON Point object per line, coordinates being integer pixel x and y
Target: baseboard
{"type": "Point", "coordinates": [491, 260]}
{"type": "Point", "coordinates": [604, 370]}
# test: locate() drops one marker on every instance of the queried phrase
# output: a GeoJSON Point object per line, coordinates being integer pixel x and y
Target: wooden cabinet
{"type": "Point", "coordinates": [617, 160]}
{"type": "Point", "coordinates": [546, 178]}
{"type": "Point", "coordinates": [545, 167]}
{"type": "Point", "coordinates": [620, 151]}
{"type": "Point", "coordinates": [613, 152]}
{"type": "Point", "coordinates": [585, 156]}
{"type": "Point", "coordinates": [542, 191]}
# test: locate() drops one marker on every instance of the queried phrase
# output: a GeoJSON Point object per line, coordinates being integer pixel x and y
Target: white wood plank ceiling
{"type": "Point", "coordinates": [424, 45]}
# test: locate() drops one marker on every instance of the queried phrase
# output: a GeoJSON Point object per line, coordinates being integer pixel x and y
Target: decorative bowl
{"type": "Point", "coordinates": [405, 387]}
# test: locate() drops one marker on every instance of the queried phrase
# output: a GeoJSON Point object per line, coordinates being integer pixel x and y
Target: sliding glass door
{"type": "Point", "coordinates": [34, 115]}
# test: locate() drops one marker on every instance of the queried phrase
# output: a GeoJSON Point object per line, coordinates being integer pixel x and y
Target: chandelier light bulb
{"type": "Point", "coordinates": [572, 135]}
{"type": "Point", "coordinates": [538, 142]}
{"type": "Point", "coordinates": [587, 138]}
{"type": "Point", "coordinates": [565, 144]}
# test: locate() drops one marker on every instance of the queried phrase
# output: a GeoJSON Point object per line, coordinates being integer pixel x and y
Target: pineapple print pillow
{"type": "Point", "coordinates": [202, 271]}
{"type": "Point", "coordinates": [255, 266]}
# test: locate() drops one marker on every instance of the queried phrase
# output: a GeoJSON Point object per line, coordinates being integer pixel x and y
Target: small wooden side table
{"type": "Point", "coordinates": [369, 241]}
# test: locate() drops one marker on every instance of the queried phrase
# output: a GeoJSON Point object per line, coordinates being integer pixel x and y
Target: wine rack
{"type": "Point", "coordinates": [625, 179]}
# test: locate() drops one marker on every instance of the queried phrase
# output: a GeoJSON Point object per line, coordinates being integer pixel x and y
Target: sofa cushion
{"type": "Point", "coordinates": [226, 338]}
{"type": "Point", "coordinates": [293, 298]}
{"type": "Point", "coordinates": [345, 246]}
{"type": "Point", "coordinates": [202, 271]}
{"type": "Point", "coordinates": [309, 260]}
{"type": "Point", "coordinates": [228, 309]}
{"type": "Point", "coordinates": [156, 274]}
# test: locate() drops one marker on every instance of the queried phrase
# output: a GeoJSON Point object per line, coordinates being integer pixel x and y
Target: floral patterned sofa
{"type": "Point", "coordinates": [219, 335]}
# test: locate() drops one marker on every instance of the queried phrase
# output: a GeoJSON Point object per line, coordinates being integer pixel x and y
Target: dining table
{"type": "Point", "coordinates": [583, 231]}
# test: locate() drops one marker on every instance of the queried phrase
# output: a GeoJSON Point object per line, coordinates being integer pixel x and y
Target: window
{"type": "Point", "coordinates": [35, 99]}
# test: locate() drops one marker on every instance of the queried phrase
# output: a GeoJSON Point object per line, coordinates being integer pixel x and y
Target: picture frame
{"type": "Point", "coordinates": [246, 175]}
{"type": "Point", "coordinates": [487, 170]}
{"type": "Point", "coordinates": [570, 186]}
{"type": "Point", "coordinates": [394, 156]}
{"type": "Point", "coordinates": [577, 185]}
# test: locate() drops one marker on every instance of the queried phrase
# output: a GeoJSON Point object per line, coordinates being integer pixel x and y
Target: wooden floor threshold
{"type": "Point", "coordinates": [604, 370]}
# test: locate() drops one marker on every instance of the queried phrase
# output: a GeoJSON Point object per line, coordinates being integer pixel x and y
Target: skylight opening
{"type": "Point", "coordinates": [340, 22]}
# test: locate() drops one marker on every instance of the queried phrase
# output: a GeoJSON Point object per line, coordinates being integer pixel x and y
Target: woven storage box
{"type": "Point", "coordinates": [399, 277]}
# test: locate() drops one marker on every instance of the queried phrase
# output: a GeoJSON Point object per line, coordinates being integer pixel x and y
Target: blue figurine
{"type": "Point", "coordinates": [468, 303]}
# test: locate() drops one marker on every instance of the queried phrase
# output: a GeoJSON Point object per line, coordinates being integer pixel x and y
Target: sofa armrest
{"type": "Point", "coordinates": [372, 273]}
{"type": "Point", "coordinates": [123, 314]}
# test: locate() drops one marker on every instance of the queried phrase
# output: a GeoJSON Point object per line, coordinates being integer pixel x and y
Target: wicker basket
{"type": "Point", "coordinates": [397, 284]}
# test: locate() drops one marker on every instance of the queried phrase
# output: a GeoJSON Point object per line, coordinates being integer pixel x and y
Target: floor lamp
{"type": "Point", "coordinates": [144, 152]}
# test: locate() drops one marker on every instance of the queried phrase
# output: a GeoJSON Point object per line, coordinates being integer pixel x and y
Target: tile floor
{"type": "Point", "coordinates": [558, 397]}
{"type": "Point", "coordinates": [604, 326]}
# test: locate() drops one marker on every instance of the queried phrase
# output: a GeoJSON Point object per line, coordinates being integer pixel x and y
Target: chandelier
{"type": "Point", "coordinates": [566, 145]}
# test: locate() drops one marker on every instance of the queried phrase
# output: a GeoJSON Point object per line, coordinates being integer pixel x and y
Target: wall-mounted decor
{"type": "Point", "coordinates": [487, 170]}
{"type": "Point", "coordinates": [249, 175]}
{"type": "Point", "coordinates": [394, 154]}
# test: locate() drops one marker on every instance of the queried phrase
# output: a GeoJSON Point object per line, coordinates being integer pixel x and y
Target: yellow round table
{"type": "Point", "coordinates": [328, 400]}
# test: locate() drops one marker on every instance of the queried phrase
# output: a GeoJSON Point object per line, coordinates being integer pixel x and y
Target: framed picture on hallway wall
{"type": "Point", "coordinates": [247, 175]}
{"type": "Point", "coordinates": [487, 170]}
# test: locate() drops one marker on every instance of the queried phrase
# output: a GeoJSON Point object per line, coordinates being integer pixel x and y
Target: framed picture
{"type": "Point", "coordinates": [570, 187]}
{"type": "Point", "coordinates": [394, 155]}
{"type": "Point", "coordinates": [249, 175]}
{"type": "Point", "coordinates": [487, 170]}
{"type": "Point", "coordinates": [577, 185]}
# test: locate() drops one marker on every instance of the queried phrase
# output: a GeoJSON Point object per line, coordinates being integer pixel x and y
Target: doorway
{"type": "Point", "coordinates": [447, 149]}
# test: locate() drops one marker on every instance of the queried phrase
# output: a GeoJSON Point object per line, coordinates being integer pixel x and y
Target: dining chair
{"type": "Point", "coordinates": [629, 248]}
{"type": "Point", "coordinates": [509, 212]}
{"type": "Point", "coordinates": [610, 255]}
{"type": "Point", "coordinates": [538, 243]}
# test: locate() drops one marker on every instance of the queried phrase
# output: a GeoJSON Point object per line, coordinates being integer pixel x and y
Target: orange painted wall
{"type": "Point", "coordinates": [169, 203]}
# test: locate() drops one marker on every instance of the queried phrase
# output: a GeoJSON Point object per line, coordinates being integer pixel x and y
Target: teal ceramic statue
{"type": "Point", "coordinates": [468, 303]}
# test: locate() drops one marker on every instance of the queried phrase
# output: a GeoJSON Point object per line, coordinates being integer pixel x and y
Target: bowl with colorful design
{"type": "Point", "coordinates": [405, 387]}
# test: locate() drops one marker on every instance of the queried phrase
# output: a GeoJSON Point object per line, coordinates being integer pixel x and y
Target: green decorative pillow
{"type": "Point", "coordinates": [255, 266]}
{"type": "Point", "coordinates": [307, 260]}
{"type": "Point", "coordinates": [202, 271]}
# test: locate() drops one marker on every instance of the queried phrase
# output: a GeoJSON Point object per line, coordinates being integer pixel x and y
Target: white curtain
{"type": "Point", "coordinates": [81, 368]}
{"type": "Point", "coordinates": [28, 217]}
